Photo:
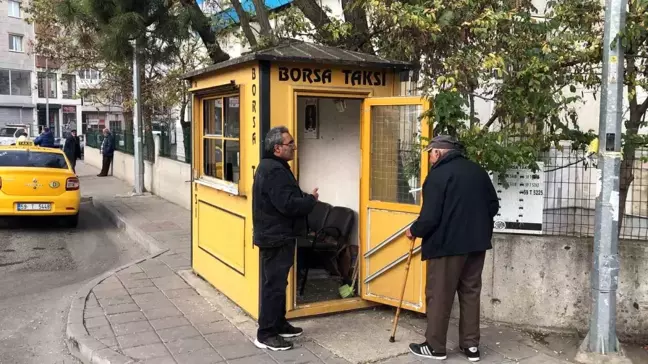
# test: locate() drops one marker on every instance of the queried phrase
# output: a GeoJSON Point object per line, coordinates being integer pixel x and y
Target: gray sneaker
{"type": "Point", "coordinates": [274, 343]}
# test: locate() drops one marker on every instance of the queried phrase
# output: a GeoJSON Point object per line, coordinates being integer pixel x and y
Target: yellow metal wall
{"type": "Point", "coordinates": [222, 248]}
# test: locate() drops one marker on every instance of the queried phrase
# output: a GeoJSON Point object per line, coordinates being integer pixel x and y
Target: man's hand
{"type": "Point", "coordinates": [409, 235]}
{"type": "Point", "coordinates": [315, 193]}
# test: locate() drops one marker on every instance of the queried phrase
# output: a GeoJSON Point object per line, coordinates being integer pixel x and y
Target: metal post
{"type": "Point", "coordinates": [47, 88]}
{"type": "Point", "coordinates": [137, 123]}
{"type": "Point", "coordinates": [602, 338]}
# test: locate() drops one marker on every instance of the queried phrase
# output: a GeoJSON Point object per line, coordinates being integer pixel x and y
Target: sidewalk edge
{"type": "Point", "coordinates": [119, 220]}
{"type": "Point", "coordinates": [83, 346]}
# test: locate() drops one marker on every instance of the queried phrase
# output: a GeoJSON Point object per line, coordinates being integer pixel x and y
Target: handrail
{"type": "Point", "coordinates": [388, 240]}
{"type": "Point", "coordinates": [391, 265]}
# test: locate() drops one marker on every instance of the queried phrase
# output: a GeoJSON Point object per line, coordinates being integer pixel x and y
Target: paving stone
{"type": "Point", "coordinates": [101, 332]}
{"type": "Point", "coordinates": [107, 288]}
{"type": "Point", "coordinates": [181, 294]}
{"type": "Point", "coordinates": [151, 305]}
{"type": "Point", "coordinates": [296, 355]}
{"type": "Point", "coordinates": [160, 272]}
{"type": "Point", "coordinates": [91, 301]}
{"type": "Point", "coordinates": [156, 313]}
{"type": "Point", "coordinates": [214, 327]}
{"type": "Point", "coordinates": [128, 307]}
{"type": "Point", "coordinates": [110, 293]}
{"type": "Point", "coordinates": [147, 351]}
{"type": "Point", "coordinates": [138, 283]}
{"type": "Point", "coordinates": [176, 333]}
{"type": "Point", "coordinates": [130, 270]}
{"type": "Point", "coordinates": [169, 322]}
{"type": "Point", "coordinates": [95, 321]}
{"type": "Point", "coordinates": [159, 360]}
{"type": "Point", "coordinates": [187, 345]}
{"type": "Point", "coordinates": [110, 341]}
{"type": "Point", "coordinates": [202, 356]}
{"type": "Point", "coordinates": [202, 316]}
{"type": "Point", "coordinates": [93, 312]}
{"type": "Point", "coordinates": [321, 352]}
{"type": "Point", "coordinates": [238, 350]}
{"type": "Point", "coordinates": [140, 290]}
{"type": "Point", "coordinates": [132, 328]}
{"type": "Point", "coordinates": [149, 297]}
{"type": "Point", "coordinates": [138, 339]}
{"type": "Point", "coordinates": [219, 340]}
{"type": "Point", "coordinates": [168, 283]}
{"type": "Point", "coordinates": [132, 276]}
{"type": "Point", "coordinates": [122, 318]}
{"type": "Point", "coordinates": [117, 300]}
{"type": "Point", "coordinates": [257, 359]}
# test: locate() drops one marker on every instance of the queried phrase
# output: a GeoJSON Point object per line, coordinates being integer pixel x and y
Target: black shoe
{"type": "Point", "coordinates": [472, 353]}
{"type": "Point", "coordinates": [425, 351]}
{"type": "Point", "coordinates": [275, 343]}
{"type": "Point", "coordinates": [289, 331]}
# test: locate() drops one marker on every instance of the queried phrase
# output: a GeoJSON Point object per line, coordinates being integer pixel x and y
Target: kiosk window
{"type": "Point", "coordinates": [221, 148]}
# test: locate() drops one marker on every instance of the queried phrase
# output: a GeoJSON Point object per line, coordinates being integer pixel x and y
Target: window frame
{"type": "Point", "coordinates": [65, 81]}
{"type": "Point", "coordinates": [11, 6]}
{"type": "Point", "coordinates": [11, 43]}
{"type": "Point", "coordinates": [52, 79]}
{"type": "Point", "coordinates": [214, 182]}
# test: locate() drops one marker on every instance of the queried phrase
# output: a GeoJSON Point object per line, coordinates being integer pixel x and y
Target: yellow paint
{"type": "Point", "coordinates": [223, 251]}
{"type": "Point", "coordinates": [222, 247]}
{"type": "Point", "coordinates": [37, 186]}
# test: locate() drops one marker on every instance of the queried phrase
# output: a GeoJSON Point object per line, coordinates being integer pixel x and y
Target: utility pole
{"type": "Point", "coordinates": [602, 338]}
{"type": "Point", "coordinates": [137, 123]}
{"type": "Point", "coordinates": [47, 91]}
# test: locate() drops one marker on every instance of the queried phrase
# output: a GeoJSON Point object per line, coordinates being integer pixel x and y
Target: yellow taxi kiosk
{"type": "Point", "coordinates": [356, 141]}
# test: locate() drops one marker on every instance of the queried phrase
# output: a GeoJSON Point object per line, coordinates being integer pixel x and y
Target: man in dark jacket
{"type": "Point", "coordinates": [72, 148]}
{"type": "Point", "coordinates": [46, 139]}
{"type": "Point", "coordinates": [456, 227]}
{"type": "Point", "coordinates": [279, 211]}
{"type": "Point", "coordinates": [107, 151]}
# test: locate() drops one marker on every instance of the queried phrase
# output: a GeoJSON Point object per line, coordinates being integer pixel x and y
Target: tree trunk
{"type": "Point", "coordinates": [316, 15]}
{"type": "Point", "coordinates": [263, 19]}
{"type": "Point", "coordinates": [625, 180]}
{"type": "Point", "coordinates": [360, 39]}
{"type": "Point", "coordinates": [202, 25]}
{"type": "Point", "coordinates": [245, 23]}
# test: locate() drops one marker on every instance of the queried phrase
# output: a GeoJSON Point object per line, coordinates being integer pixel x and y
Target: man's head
{"type": "Point", "coordinates": [46, 130]}
{"type": "Point", "coordinates": [106, 131]}
{"type": "Point", "coordinates": [73, 132]}
{"type": "Point", "coordinates": [440, 146]}
{"type": "Point", "coordinates": [280, 143]}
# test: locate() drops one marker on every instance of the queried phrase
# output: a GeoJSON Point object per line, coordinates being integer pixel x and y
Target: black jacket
{"type": "Point", "coordinates": [72, 148]}
{"type": "Point", "coordinates": [459, 204]}
{"type": "Point", "coordinates": [279, 207]}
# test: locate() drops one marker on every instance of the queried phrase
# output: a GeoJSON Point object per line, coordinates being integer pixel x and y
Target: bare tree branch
{"type": "Point", "coordinates": [202, 25]}
{"type": "Point", "coordinates": [244, 18]}
{"type": "Point", "coordinates": [263, 18]}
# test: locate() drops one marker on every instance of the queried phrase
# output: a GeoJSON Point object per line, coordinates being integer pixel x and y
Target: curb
{"type": "Point", "coordinates": [83, 346]}
{"type": "Point", "coordinates": [116, 218]}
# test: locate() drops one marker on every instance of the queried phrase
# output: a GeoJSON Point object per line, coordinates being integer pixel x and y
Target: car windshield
{"type": "Point", "coordinates": [26, 158]}
{"type": "Point", "coordinates": [7, 132]}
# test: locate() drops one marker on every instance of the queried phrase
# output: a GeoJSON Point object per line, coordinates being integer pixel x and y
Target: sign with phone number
{"type": "Point", "coordinates": [522, 203]}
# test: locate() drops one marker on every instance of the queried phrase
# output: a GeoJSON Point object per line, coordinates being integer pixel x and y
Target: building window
{"type": "Point", "coordinates": [16, 43]}
{"type": "Point", "coordinates": [222, 151]}
{"type": "Point", "coordinates": [15, 83]}
{"type": "Point", "coordinates": [42, 85]}
{"type": "Point", "coordinates": [69, 86]}
{"type": "Point", "coordinates": [92, 75]}
{"type": "Point", "coordinates": [14, 9]}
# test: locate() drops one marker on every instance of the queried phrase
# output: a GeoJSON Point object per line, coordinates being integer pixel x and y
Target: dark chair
{"type": "Point", "coordinates": [331, 236]}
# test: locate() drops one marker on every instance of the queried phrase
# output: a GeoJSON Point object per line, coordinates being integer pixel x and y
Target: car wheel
{"type": "Point", "coordinates": [71, 221]}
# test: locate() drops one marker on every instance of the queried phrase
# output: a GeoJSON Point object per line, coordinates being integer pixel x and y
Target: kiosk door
{"type": "Point", "coordinates": [392, 167]}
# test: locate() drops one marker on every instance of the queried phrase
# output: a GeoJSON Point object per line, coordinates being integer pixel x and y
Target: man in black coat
{"type": "Point", "coordinates": [72, 148]}
{"type": "Point", "coordinates": [279, 212]}
{"type": "Point", "coordinates": [456, 227]}
{"type": "Point", "coordinates": [107, 151]}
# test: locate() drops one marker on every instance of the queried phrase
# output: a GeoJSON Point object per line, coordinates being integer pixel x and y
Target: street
{"type": "Point", "coordinates": [41, 267]}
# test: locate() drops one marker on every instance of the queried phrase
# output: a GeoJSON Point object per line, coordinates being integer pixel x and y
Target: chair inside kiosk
{"type": "Point", "coordinates": [328, 157]}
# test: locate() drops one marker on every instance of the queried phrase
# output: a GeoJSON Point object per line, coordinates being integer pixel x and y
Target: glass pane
{"type": "Point", "coordinates": [4, 82]}
{"type": "Point", "coordinates": [232, 117]}
{"type": "Point", "coordinates": [69, 86]}
{"type": "Point", "coordinates": [20, 83]}
{"type": "Point", "coordinates": [213, 117]}
{"type": "Point", "coordinates": [213, 158]}
{"type": "Point", "coordinates": [232, 167]}
{"type": "Point", "coordinates": [395, 153]}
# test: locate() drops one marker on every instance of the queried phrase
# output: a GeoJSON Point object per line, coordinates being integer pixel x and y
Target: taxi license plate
{"type": "Point", "coordinates": [34, 207]}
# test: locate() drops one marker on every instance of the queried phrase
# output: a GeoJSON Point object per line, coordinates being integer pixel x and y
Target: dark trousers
{"type": "Point", "coordinates": [73, 164]}
{"type": "Point", "coordinates": [275, 266]}
{"type": "Point", "coordinates": [446, 276]}
{"type": "Point", "coordinates": [105, 165]}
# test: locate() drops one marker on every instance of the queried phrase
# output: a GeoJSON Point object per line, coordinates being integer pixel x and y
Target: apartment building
{"type": "Point", "coordinates": [17, 81]}
{"type": "Point", "coordinates": [97, 110]}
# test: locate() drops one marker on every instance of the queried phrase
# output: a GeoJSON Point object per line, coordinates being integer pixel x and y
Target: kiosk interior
{"type": "Point", "coordinates": [357, 141]}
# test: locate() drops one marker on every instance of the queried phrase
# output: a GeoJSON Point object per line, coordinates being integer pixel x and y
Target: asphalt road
{"type": "Point", "coordinates": [41, 267]}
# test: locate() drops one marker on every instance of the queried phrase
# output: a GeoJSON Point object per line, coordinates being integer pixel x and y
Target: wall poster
{"type": "Point", "coordinates": [311, 119]}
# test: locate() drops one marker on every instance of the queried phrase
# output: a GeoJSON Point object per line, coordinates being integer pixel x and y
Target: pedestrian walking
{"type": "Point", "coordinates": [279, 216]}
{"type": "Point", "coordinates": [72, 148]}
{"type": "Point", "coordinates": [107, 151]}
{"type": "Point", "coordinates": [456, 227]}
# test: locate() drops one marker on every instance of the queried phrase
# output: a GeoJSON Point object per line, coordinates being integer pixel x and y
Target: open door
{"type": "Point", "coordinates": [392, 166]}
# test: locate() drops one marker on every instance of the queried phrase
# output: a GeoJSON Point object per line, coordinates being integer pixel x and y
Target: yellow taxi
{"type": "Point", "coordinates": [38, 181]}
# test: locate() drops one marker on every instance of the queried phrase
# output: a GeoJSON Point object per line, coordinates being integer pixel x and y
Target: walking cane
{"type": "Point", "coordinates": [400, 302]}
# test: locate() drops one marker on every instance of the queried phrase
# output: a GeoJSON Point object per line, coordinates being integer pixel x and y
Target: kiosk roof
{"type": "Point", "coordinates": [299, 51]}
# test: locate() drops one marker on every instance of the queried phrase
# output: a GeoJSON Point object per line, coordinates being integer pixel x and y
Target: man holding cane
{"type": "Point", "coordinates": [456, 227]}
{"type": "Point", "coordinates": [279, 211]}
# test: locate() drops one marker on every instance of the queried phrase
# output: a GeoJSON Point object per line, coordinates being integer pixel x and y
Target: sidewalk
{"type": "Point", "coordinates": [158, 311]}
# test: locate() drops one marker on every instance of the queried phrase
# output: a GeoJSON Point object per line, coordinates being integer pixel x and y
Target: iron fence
{"type": "Point", "coordinates": [124, 142]}
{"type": "Point", "coordinates": [176, 144]}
